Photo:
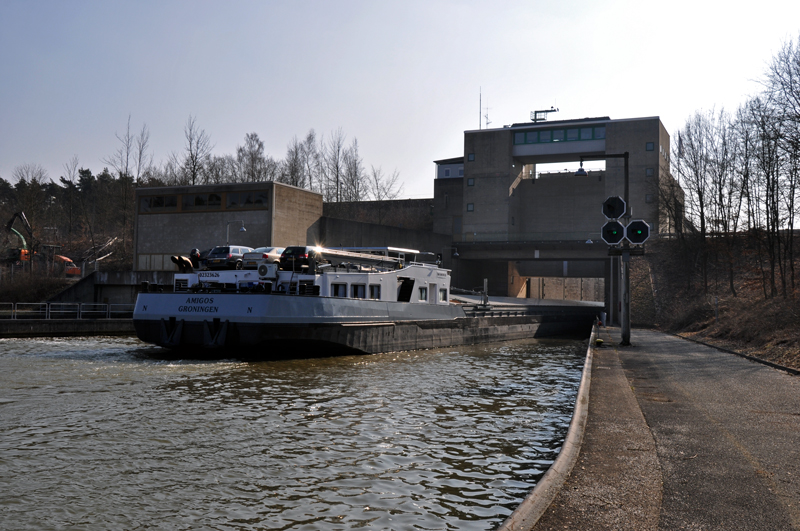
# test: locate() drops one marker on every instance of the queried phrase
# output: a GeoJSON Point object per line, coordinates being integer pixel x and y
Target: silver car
{"type": "Point", "coordinates": [261, 255]}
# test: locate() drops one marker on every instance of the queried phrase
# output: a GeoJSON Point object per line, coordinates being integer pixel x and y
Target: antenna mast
{"type": "Point", "coordinates": [541, 116]}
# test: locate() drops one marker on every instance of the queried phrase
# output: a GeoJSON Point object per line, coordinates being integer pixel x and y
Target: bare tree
{"type": "Point", "coordinates": [142, 159]}
{"type": "Point", "coordinates": [691, 165]}
{"type": "Point", "coordinates": [121, 159]}
{"type": "Point", "coordinates": [310, 161]}
{"type": "Point", "coordinates": [220, 169]}
{"type": "Point", "coordinates": [355, 186]}
{"type": "Point", "coordinates": [197, 150]}
{"type": "Point", "coordinates": [70, 208]}
{"type": "Point", "coordinates": [383, 187]}
{"type": "Point", "coordinates": [251, 160]}
{"type": "Point", "coordinates": [292, 168]}
{"type": "Point", "coordinates": [783, 80]}
{"type": "Point", "coordinates": [29, 190]}
{"type": "Point", "coordinates": [332, 155]}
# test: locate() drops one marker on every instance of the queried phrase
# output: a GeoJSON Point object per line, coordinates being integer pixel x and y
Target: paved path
{"type": "Point", "coordinates": [683, 436]}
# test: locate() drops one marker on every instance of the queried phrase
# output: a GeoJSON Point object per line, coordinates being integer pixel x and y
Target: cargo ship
{"type": "Point", "coordinates": [331, 301]}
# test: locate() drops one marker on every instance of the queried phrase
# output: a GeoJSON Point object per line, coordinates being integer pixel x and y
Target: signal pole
{"type": "Point", "coordinates": [626, 265]}
{"type": "Point", "coordinates": [610, 233]}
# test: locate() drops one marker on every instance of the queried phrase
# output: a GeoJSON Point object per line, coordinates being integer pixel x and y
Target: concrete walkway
{"type": "Point", "coordinates": [683, 436]}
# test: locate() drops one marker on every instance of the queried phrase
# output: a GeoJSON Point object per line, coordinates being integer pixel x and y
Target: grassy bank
{"type": "Point", "coordinates": [728, 302]}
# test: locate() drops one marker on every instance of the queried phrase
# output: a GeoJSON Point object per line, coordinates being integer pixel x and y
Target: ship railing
{"type": "Point", "coordinates": [64, 310]}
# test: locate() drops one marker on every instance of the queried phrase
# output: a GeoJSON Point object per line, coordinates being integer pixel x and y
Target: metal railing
{"type": "Point", "coordinates": [64, 310]}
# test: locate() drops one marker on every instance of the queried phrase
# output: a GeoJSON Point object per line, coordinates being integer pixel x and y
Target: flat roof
{"type": "Point", "coordinates": [454, 160]}
{"type": "Point", "coordinates": [221, 187]}
{"type": "Point", "coordinates": [560, 123]}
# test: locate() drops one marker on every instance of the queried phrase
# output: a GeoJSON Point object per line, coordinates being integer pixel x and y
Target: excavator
{"type": "Point", "coordinates": [24, 254]}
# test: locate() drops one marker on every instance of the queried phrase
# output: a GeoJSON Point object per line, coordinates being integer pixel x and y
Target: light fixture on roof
{"type": "Point", "coordinates": [581, 172]}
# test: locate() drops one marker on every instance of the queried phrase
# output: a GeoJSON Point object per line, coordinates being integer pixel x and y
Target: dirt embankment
{"type": "Point", "coordinates": [722, 295]}
{"type": "Point", "coordinates": [24, 287]}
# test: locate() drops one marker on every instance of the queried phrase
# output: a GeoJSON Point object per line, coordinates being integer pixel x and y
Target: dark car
{"type": "Point", "coordinates": [300, 258]}
{"type": "Point", "coordinates": [226, 257]}
{"type": "Point", "coordinates": [203, 259]}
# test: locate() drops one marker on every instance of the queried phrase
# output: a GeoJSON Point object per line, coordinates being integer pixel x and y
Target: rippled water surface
{"type": "Point", "coordinates": [108, 434]}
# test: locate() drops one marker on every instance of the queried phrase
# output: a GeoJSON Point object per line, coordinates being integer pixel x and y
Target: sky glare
{"type": "Point", "coordinates": [401, 77]}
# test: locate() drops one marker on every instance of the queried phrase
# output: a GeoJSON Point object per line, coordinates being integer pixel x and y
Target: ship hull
{"type": "Point", "coordinates": [258, 326]}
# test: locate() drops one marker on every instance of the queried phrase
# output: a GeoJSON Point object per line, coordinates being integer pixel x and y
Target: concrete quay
{"type": "Point", "coordinates": [679, 435]}
{"type": "Point", "coordinates": [22, 328]}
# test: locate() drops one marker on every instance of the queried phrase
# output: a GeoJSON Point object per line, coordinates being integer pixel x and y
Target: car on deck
{"type": "Point", "coordinates": [226, 256]}
{"type": "Point", "coordinates": [261, 255]}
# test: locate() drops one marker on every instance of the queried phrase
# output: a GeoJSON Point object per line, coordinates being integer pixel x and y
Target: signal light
{"type": "Point", "coordinates": [614, 207]}
{"type": "Point", "coordinates": [612, 232]}
{"type": "Point", "coordinates": [637, 231]}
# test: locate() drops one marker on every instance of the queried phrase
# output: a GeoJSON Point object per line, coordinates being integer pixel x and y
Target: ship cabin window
{"type": "Point", "coordinates": [423, 294]}
{"type": "Point", "coordinates": [442, 295]}
{"type": "Point", "coordinates": [339, 290]}
{"type": "Point", "coordinates": [375, 291]}
{"type": "Point", "coordinates": [358, 291]}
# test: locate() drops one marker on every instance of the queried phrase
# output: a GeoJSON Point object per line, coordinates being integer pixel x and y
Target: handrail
{"type": "Point", "coordinates": [64, 310]}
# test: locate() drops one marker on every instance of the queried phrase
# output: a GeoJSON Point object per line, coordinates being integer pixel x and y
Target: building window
{"type": "Point", "coordinates": [159, 203]}
{"type": "Point", "coordinates": [261, 200]}
{"type": "Point", "coordinates": [339, 290]}
{"type": "Point", "coordinates": [461, 172]}
{"type": "Point", "coordinates": [650, 172]}
{"type": "Point", "coordinates": [650, 146]}
{"type": "Point", "coordinates": [470, 182]}
{"type": "Point", "coordinates": [239, 200]}
{"type": "Point", "coordinates": [194, 202]}
{"type": "Point", "coordinates": [470, 207]}
{"type": "Point", "coordinates": [447, 172]}
{"type": "Point", "coordinates": [471, 157]}
{"type": "Point", "coordinates": [442, 295]}
{"type": "Point", "coordinates": [559, 135]}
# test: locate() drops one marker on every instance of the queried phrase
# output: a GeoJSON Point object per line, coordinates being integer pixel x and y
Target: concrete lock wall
{"type": "Point", "coordinates": [448, 205]}
{"type": "Point", "coordinates": [414, 214]}
{"type": "Point", "coordinates": [344, 233]}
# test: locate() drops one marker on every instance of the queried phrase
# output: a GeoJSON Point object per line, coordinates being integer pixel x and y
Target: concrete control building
{"type": "Point", "coordinates": [523, 228]}
{"type": "Point", "coordinates": [175, 219]}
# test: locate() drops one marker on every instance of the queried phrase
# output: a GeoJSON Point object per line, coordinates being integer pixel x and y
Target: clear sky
{"type": "Point", "coordinates": [402, 77]}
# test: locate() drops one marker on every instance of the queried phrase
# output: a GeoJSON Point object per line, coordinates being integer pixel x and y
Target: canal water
{"type": "Point", "coordinates": [108, 433]}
